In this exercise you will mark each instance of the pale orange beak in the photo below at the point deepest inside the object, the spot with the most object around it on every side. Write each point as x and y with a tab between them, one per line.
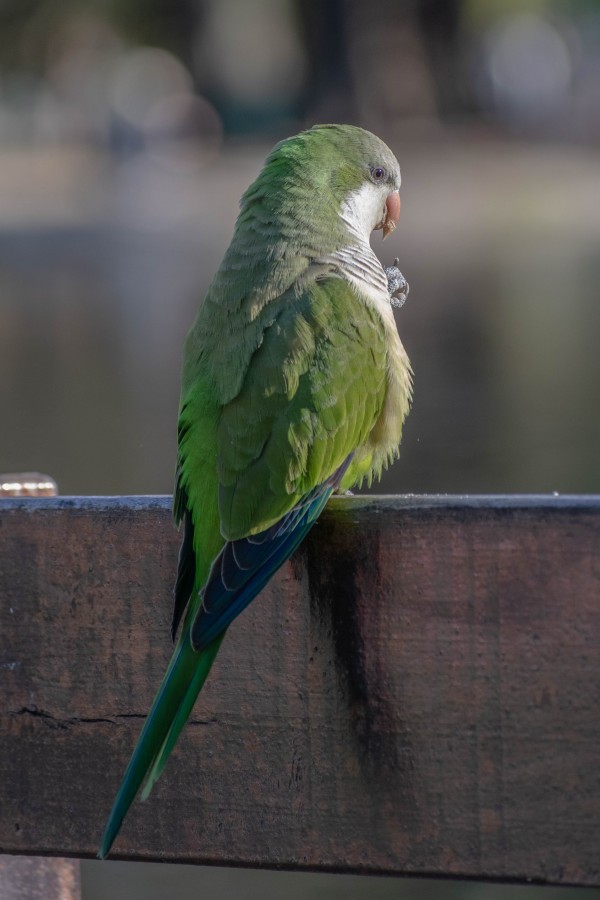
392	214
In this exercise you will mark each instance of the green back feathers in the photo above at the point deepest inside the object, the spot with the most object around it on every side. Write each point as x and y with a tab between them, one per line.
311	397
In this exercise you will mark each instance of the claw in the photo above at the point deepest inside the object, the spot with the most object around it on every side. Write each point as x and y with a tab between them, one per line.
397	285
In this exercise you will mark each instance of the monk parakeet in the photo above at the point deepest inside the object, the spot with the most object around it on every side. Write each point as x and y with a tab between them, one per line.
295	384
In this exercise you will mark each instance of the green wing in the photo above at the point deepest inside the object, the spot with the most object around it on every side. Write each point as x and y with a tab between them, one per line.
313	391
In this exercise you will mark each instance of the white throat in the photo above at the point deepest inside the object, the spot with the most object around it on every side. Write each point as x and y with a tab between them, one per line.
356	262
362	210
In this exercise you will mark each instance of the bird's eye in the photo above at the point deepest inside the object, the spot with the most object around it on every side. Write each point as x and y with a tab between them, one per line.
378	173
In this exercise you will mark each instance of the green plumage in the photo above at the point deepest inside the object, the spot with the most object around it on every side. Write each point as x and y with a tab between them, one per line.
293	371
309	399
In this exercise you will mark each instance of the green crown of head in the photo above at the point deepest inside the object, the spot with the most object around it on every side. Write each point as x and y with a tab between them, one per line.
317	170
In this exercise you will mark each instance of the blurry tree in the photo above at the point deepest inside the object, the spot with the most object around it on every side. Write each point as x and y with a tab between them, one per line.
530	65
170	24
440	24
365	61
328	94
371	61
25	29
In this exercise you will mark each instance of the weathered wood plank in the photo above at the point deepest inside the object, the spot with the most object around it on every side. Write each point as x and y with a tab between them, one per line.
416	692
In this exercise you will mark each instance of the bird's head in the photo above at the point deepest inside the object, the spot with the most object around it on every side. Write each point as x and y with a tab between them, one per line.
333	179
365	177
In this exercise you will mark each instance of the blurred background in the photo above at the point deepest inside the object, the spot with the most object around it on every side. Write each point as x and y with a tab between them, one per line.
128	131
130	128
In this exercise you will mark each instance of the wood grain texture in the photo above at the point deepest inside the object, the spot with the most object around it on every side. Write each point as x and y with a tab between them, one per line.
417	691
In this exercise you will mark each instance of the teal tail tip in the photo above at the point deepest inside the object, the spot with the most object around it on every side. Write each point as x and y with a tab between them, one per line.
172	705
105	844
110	833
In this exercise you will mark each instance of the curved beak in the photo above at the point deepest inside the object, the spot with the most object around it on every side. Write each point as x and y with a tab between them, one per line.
391	214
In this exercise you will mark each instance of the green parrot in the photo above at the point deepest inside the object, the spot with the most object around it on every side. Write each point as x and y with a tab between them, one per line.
295	384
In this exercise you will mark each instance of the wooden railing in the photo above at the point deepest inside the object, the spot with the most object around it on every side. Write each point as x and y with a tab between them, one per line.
416	692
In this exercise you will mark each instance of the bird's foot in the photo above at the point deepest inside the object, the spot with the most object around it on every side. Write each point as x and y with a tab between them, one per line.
397	284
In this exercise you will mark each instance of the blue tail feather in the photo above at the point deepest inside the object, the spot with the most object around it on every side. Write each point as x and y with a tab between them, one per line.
244	566
222	602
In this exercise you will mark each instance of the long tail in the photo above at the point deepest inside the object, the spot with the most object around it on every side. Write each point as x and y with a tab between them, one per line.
237	575
172	705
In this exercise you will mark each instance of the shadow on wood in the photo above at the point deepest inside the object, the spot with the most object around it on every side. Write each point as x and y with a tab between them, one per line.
416	692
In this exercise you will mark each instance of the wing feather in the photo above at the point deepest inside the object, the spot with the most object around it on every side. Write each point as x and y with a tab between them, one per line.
310	398
244	566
